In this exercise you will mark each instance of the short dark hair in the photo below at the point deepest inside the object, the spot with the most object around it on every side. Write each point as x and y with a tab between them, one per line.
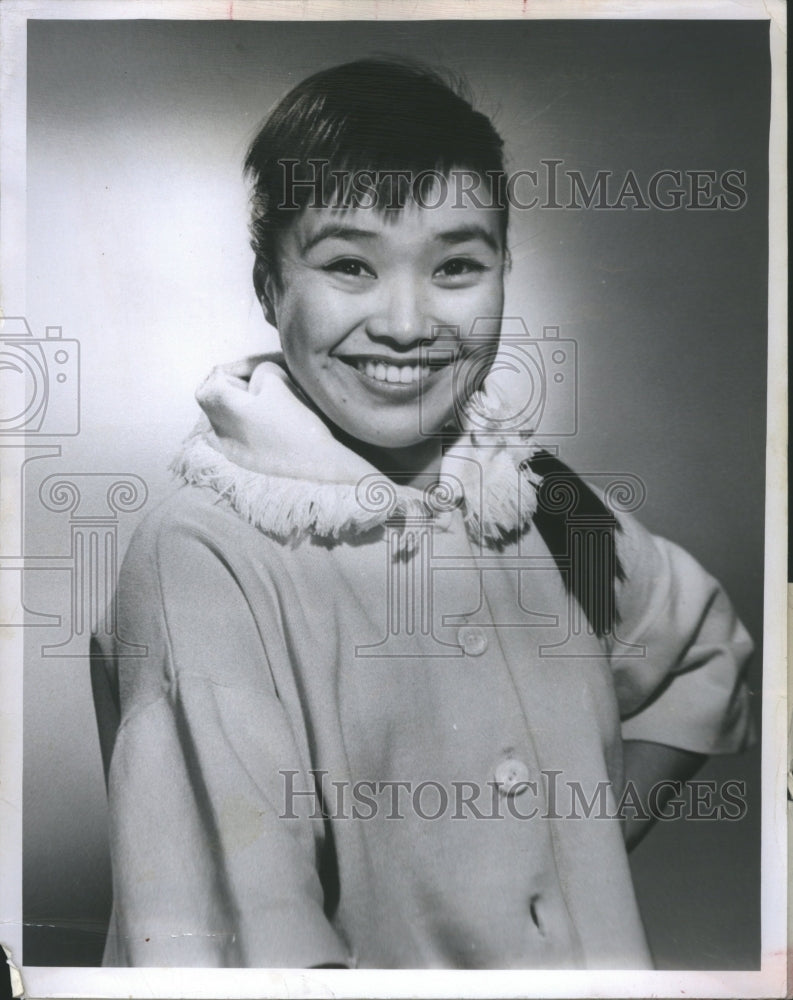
375	115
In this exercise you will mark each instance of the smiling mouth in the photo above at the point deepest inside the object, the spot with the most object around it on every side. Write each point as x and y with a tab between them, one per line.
391	373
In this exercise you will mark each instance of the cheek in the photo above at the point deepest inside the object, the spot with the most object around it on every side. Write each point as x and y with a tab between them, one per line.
484	302
313	320
492	296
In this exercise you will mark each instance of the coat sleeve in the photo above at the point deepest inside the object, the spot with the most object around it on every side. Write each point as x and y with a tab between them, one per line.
679	652
212	864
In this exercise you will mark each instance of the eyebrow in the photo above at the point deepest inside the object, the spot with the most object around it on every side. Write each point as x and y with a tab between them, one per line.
465	233
462	234
334	230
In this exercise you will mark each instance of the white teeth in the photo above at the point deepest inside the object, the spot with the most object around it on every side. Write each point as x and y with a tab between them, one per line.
398	374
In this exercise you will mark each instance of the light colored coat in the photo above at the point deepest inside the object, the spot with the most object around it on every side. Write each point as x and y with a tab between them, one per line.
288	685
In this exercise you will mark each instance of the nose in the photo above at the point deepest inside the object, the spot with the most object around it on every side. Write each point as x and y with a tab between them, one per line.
399	315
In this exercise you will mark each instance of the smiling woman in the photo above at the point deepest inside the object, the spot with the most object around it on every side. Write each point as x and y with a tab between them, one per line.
369	585
360	279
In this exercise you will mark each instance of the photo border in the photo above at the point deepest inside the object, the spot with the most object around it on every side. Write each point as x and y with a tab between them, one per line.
771	979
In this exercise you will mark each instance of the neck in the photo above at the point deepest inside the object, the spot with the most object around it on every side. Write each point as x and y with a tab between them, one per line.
409	466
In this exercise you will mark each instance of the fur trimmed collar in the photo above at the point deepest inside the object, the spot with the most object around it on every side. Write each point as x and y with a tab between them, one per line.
264	449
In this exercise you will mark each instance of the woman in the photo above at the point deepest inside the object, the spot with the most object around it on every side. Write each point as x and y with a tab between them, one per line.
397	711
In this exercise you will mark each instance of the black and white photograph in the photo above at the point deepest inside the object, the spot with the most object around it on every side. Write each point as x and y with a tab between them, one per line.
394	510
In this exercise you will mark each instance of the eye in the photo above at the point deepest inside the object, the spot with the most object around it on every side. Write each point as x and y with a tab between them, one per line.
460	267
350	267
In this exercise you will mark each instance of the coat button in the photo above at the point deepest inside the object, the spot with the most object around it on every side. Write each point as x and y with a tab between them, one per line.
511	776
472	639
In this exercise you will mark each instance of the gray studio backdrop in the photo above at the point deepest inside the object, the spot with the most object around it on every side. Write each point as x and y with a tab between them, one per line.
137	248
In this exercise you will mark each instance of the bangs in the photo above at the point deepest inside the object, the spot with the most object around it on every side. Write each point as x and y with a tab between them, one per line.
365	183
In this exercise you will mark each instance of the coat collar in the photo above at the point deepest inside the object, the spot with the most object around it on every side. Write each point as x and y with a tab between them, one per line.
264	449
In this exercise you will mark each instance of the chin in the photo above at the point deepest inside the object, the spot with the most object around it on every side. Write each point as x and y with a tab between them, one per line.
390	439
390	442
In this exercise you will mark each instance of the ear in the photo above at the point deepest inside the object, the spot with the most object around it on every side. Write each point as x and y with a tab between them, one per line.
268	300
